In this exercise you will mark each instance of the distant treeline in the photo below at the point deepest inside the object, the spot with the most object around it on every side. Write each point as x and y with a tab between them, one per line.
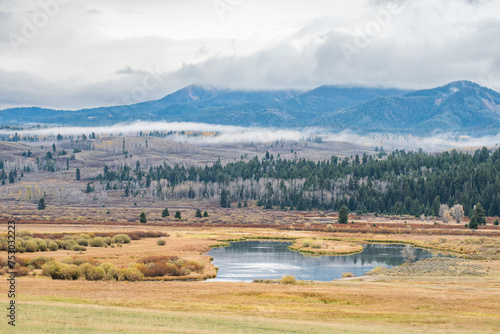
412	183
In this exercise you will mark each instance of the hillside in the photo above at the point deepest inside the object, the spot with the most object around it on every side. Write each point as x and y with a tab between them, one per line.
458	106
461	106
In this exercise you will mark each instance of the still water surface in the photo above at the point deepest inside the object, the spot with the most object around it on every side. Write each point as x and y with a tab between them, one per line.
249	260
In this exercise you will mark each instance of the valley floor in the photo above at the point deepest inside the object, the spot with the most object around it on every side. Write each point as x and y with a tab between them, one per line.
401	302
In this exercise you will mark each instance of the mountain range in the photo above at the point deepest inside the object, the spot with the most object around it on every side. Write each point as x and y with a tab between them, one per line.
460	106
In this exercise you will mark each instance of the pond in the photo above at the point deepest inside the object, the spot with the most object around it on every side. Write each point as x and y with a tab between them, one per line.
249	260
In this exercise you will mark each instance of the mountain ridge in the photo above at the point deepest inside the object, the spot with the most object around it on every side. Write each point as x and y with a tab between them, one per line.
461	106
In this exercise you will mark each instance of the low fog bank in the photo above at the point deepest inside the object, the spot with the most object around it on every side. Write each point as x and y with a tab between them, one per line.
235	134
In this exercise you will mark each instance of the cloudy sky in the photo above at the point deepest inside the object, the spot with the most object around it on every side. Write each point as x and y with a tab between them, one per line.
75	53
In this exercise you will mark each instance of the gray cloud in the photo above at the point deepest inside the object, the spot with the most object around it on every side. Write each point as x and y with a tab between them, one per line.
80	59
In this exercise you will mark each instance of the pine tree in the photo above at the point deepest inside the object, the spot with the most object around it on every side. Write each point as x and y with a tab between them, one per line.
198	213
223	199
479	214
78	174
473	223
343	215
165	213
205	214
178	214
89	188
142	218
435	206
41	204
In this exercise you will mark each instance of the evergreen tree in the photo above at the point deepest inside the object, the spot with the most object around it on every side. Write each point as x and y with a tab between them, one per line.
178	214
473	223
41	204
12	178
223	199
165	213
479	214
343	215
435	206
89	188
142	218
54	147
302	206
198	213
205	214
78	174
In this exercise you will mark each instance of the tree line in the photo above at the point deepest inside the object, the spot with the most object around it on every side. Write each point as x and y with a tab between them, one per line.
412	183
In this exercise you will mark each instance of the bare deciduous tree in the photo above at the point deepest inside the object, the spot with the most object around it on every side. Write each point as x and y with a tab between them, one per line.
443	209
408	253
458	212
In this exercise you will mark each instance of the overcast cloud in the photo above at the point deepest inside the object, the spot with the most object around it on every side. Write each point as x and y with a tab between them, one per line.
75	54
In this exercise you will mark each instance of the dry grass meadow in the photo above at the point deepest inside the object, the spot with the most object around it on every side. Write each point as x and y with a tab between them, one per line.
381	303
370	304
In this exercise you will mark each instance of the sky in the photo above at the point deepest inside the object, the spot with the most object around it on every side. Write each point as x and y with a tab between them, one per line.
73	54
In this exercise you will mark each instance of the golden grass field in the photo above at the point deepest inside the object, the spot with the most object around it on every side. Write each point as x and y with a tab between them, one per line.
371	304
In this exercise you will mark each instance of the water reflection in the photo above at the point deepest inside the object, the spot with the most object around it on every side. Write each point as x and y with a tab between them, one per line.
249	260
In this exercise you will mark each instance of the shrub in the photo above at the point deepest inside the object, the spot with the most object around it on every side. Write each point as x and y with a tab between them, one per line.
329	228
306	244
42	244
108	241
121	239
22	271
79	260
82	241
316	245
20	247
78	248
132	275
157	258
375	270
24	233
156	269
70	271
174	270
69	244
38	261
61	271
496	222
161	242
97	242
30	246
84	236
193	265
92	273
307	226
111	272
53	246
288	280
347	275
